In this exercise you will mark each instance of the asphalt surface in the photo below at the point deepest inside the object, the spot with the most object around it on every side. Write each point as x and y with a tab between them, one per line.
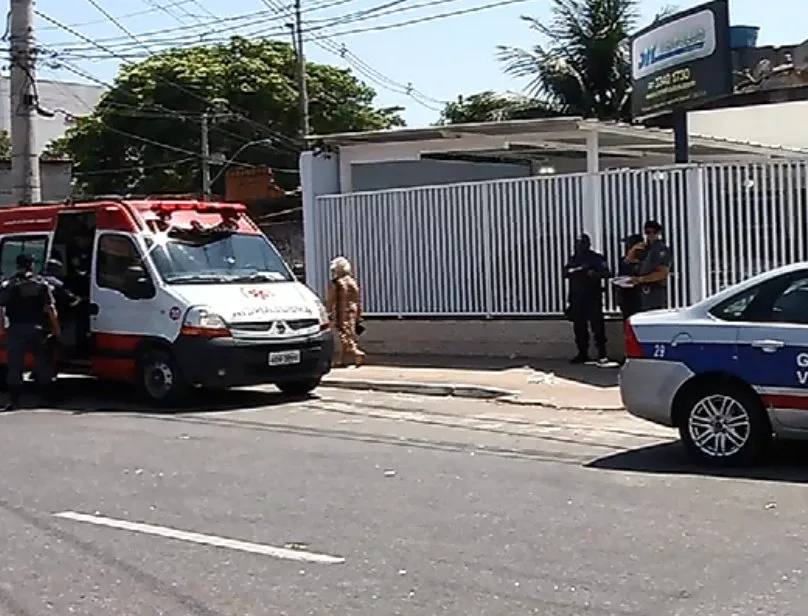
437	506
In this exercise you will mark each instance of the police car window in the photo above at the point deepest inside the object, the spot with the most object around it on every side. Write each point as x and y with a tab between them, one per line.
12	247
792	305
734	308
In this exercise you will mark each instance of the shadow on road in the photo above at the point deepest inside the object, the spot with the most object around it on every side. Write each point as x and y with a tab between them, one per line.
786	461
82	395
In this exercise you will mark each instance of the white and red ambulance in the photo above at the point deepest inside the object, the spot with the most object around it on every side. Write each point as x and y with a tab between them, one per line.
180	294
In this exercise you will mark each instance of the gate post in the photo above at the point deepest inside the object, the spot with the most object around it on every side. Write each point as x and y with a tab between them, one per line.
593	204
696	234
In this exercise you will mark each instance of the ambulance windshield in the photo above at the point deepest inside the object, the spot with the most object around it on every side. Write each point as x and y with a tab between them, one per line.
226	257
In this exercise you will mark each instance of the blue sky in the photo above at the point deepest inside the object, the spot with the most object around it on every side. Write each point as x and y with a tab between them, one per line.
440	58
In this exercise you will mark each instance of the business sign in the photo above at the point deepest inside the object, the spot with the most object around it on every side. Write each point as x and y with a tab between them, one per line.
681	61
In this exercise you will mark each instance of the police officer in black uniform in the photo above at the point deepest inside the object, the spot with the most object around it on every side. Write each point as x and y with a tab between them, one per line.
655	267
31	314
586	270
63	297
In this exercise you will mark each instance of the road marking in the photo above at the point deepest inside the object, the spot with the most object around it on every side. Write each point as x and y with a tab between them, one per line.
219	542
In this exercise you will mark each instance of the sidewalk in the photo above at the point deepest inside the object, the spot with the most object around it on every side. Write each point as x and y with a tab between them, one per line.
540	383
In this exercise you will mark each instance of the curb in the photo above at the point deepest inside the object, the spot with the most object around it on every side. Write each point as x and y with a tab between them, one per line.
476	392
517	401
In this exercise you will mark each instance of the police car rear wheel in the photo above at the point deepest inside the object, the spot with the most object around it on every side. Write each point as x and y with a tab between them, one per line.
160	380
724	426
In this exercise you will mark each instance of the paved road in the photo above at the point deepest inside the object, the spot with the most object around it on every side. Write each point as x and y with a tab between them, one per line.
436	506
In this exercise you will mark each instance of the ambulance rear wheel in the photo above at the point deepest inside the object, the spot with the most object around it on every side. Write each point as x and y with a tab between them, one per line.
159	379
299	388
724	425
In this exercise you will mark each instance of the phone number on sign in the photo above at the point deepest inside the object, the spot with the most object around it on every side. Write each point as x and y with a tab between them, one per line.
680	75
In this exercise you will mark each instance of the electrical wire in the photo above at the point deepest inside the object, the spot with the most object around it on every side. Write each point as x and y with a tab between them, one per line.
279	136
115	22
365	69
120	44
164	165
160	111
205	26
96	22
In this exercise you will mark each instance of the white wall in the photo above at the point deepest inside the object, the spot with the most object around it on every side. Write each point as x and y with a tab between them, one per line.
778	124
319	175
75	99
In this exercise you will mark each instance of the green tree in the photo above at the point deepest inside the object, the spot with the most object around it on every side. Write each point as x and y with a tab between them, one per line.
145	132
584	69
5	144
490	106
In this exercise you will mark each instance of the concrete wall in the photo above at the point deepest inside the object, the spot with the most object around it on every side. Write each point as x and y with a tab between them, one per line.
76	99
409	173
539	339
55	180
779	124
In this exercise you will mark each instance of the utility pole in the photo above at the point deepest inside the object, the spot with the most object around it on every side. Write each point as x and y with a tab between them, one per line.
24	104
303	100
205	159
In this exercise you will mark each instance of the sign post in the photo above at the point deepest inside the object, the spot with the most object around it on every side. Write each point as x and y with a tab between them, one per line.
680	63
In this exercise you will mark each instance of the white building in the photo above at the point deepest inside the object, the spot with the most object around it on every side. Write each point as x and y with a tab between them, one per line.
485	216
63	98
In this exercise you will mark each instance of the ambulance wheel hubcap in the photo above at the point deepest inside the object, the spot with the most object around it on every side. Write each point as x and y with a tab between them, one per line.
159	379
719	426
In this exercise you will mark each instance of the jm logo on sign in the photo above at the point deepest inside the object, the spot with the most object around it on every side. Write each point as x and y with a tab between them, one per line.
684	40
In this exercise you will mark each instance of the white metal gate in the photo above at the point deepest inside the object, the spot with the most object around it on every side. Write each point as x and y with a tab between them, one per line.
497	248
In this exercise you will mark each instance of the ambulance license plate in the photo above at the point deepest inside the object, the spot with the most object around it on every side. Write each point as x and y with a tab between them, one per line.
284	358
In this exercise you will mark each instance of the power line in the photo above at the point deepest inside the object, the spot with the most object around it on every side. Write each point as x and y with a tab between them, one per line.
170	115
114	21
357	63
204	27
368	71
179	87
164	165
122	45
121	17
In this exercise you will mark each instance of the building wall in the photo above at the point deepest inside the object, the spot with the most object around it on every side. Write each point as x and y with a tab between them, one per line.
537	339
411	173
55	178
75	99
777	124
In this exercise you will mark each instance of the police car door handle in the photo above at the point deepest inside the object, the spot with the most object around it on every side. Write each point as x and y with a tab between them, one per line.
768	346
94	310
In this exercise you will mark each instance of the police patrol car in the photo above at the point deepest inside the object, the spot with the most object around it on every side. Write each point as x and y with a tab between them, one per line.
730	372
180	294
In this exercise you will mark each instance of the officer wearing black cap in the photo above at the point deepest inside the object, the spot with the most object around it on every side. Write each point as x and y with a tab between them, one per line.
61	294
586	270
654	269
31	315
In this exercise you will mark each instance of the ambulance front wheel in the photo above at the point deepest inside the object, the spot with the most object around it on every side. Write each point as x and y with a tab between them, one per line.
159	379
299	388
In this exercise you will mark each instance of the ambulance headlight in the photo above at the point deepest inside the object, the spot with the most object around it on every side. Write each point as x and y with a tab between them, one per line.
200	321
325	322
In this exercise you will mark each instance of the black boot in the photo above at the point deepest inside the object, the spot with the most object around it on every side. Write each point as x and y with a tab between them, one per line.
13	400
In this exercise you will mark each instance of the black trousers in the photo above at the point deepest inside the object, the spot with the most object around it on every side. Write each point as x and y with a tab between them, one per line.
588	317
